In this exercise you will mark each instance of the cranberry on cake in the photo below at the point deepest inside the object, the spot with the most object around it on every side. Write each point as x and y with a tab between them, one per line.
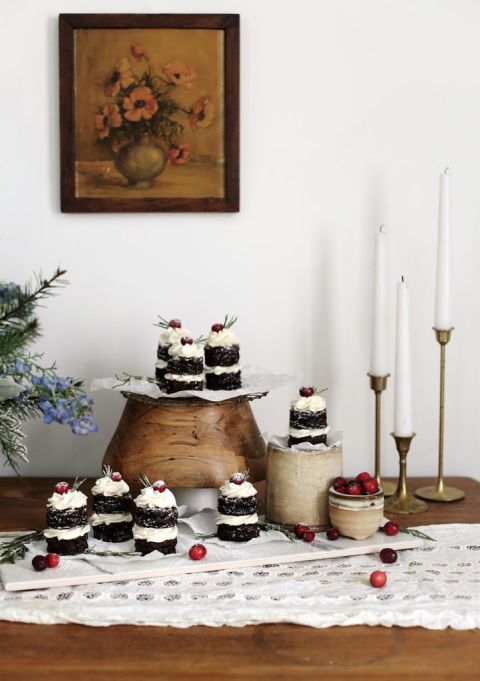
156	518
173	332
111	519
185	366
222	357
67	528
237	518
308	418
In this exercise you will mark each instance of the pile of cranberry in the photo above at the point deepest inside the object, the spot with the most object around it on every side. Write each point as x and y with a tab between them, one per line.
41	563
364	483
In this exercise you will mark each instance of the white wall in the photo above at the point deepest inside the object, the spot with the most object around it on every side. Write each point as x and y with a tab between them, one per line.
350	109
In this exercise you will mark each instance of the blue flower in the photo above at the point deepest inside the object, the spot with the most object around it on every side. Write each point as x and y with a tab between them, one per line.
36	380
50	416
22	368
62	383
48	383
44	405
84	425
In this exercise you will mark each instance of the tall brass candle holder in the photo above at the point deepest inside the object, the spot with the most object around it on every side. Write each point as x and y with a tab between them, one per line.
378	384
402	501
440	492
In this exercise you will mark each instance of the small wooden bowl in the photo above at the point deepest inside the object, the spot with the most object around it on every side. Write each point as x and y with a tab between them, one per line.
358	517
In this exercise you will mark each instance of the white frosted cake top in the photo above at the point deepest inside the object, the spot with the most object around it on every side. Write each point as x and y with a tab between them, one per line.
313	403
225	337
233	491
69	500
151	498
109	487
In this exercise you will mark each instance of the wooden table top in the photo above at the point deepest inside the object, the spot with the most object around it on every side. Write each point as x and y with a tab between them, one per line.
270	651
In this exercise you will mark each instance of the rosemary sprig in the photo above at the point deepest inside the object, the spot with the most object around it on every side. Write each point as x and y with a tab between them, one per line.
144	480
126	378
14	549
266	527
107	471
228	322
416	533
199	535
162	323
77	484
121	554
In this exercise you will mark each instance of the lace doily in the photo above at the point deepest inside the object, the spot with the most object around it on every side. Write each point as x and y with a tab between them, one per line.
436	586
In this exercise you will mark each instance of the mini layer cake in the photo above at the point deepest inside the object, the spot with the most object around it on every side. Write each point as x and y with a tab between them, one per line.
222	357
185	366
308	418
156	518
172	334
111	519
67	528
237	518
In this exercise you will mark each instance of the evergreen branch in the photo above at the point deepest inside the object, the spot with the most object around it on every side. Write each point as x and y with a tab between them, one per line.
11	438
21	305
15	549
15	336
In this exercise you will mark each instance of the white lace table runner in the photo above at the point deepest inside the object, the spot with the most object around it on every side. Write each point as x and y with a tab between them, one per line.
436	586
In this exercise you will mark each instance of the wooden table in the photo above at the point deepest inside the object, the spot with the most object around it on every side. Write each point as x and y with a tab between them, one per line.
271	651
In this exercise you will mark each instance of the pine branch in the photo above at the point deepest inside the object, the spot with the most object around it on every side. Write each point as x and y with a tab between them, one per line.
15	336
12	439
20	307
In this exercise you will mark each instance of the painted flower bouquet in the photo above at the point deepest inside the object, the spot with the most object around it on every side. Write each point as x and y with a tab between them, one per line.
142	122
28	389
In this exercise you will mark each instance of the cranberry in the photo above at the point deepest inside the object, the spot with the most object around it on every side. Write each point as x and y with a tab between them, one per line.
52	559
39	563
363	476
339	482
309	536
237	479
388	556
217	328
186	340
62	487
354	488
341	490
306	391
175	324
300	530
197	552
333	534
370	486
391	528
159	486
378	579
116	477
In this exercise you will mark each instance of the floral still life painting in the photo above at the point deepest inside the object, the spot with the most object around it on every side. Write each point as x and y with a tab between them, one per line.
149	111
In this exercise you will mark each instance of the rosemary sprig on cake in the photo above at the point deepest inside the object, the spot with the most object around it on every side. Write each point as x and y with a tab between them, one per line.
77	483
228	322
165	324
143	478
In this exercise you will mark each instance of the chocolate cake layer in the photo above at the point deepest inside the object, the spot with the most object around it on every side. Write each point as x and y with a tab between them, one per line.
63	520
68	547
245	506
317	440
308	419
160	374
238	532
185	365
222	355
162	352
224	381
114	532
143	546
114	504
177	386
156	517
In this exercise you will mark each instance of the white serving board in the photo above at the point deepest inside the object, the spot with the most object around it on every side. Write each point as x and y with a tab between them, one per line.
74	571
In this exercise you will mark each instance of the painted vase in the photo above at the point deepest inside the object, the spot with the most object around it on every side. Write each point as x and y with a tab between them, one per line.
141	161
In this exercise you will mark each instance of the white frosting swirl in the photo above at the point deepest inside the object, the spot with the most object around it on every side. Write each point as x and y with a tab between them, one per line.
308	432
69	500
225	337
356	502
160	364
232	369
172	335
236	520
155	534
184	378
233	491
152	498
110	518
187	350
109	487
70	533
313	403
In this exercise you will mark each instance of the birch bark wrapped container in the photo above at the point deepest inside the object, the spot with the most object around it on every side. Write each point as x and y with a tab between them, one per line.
297	484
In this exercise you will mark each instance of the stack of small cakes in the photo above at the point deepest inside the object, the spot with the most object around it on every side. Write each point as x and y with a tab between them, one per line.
308	418
237	518
67	528
185	366
173	332
156	516
222	357
111	519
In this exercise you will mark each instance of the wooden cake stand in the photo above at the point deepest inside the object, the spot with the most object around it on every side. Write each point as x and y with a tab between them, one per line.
189	442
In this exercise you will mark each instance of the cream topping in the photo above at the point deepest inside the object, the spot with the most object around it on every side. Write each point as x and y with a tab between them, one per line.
187	350
172	335
161	364
308	432
110	518
226	337
236	520
313	403
152	498
233	491
185	378
155	534
232	369
69	500
110	488
70	533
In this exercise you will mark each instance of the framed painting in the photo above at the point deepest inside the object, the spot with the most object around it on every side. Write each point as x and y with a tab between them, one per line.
149	112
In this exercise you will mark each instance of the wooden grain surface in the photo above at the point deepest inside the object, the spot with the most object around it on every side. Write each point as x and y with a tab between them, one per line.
37	652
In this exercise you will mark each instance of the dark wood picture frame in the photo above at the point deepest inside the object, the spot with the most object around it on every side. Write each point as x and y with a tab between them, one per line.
230	25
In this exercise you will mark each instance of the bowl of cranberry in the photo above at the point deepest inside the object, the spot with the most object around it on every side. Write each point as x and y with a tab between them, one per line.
355	506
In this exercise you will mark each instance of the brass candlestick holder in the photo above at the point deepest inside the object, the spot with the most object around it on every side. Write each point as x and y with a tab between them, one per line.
378	384
402	501
440	492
